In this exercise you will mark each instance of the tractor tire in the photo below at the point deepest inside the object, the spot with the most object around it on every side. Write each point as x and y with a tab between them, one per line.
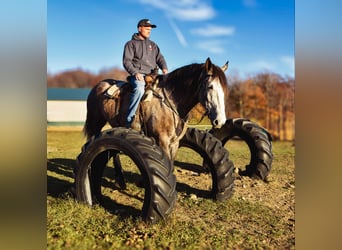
258	140
155	168
216	159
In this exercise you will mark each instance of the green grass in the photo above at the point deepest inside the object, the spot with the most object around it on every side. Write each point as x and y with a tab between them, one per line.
258	216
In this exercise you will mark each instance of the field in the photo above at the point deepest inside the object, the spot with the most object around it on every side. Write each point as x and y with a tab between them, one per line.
259	215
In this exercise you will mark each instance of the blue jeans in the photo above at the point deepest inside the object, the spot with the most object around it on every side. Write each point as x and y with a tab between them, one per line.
137	93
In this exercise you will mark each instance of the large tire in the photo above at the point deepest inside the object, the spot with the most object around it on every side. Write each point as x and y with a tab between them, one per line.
258	140
155	168
216	158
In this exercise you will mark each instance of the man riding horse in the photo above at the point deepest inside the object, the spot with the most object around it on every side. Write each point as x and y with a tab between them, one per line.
140	57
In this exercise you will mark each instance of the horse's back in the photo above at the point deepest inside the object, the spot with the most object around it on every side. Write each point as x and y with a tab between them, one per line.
103	108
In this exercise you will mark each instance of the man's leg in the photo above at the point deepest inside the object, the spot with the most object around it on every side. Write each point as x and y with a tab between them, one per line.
138	92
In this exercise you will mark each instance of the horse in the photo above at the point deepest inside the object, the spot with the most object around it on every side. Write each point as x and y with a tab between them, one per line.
165	114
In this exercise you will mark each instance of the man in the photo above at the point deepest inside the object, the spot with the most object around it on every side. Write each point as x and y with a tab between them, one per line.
140	57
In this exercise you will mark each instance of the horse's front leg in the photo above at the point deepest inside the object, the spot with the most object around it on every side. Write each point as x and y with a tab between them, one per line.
173	150
164	143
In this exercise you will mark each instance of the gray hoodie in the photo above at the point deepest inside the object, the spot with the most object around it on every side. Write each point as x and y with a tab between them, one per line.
142	56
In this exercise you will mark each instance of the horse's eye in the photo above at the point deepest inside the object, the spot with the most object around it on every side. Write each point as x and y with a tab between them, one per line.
210	87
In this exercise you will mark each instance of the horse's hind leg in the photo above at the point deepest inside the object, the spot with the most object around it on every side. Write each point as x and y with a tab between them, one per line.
118	174
93	124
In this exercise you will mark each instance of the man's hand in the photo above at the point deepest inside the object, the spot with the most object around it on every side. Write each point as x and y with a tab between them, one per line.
165	71
139	77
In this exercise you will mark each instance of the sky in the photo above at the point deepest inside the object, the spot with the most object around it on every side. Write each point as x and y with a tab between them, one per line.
253	35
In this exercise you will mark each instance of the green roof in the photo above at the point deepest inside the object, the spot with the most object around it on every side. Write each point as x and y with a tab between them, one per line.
71	94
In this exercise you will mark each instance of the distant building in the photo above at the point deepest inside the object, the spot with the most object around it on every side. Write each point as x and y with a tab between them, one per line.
66	106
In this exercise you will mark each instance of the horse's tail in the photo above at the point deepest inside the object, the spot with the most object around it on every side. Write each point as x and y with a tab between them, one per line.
94	119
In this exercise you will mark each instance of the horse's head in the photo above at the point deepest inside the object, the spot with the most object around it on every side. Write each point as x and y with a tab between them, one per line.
213	86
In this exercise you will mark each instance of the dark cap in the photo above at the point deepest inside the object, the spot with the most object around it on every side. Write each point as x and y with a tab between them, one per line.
146	23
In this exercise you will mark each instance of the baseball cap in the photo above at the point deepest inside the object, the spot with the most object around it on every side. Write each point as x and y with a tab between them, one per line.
146	23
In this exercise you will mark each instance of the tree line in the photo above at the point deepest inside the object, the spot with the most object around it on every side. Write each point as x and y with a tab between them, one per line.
265	98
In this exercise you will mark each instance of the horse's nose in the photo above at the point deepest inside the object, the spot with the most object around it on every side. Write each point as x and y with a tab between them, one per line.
217	124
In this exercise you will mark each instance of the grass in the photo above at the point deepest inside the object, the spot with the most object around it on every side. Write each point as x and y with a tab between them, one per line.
258	216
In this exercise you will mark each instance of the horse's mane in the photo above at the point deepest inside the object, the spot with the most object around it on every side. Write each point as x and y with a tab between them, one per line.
189	74
184	75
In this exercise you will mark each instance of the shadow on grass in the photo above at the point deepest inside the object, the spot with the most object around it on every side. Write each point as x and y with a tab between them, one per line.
60	186
183	187
191	167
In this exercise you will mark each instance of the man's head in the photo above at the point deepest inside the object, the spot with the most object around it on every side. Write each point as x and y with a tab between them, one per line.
144	28
146	23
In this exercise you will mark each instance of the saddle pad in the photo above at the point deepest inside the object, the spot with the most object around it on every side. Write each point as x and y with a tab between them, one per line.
114	89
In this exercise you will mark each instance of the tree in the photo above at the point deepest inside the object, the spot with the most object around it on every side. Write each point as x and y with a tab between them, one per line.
71	79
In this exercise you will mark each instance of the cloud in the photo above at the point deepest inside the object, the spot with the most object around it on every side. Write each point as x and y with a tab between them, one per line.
193	13
261	65
179	34
186	10
213	46
284	64
214	30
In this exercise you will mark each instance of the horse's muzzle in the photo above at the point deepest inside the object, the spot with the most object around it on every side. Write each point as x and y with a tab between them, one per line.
217	123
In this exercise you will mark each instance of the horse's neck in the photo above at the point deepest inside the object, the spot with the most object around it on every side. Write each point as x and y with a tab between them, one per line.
182	99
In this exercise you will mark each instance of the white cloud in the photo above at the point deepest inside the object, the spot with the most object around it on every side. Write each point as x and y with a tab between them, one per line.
284	65
179	34
213	46
195	13
214	30
187	10
261	65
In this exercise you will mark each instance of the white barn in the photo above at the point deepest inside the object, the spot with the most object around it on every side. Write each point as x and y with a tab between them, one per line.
66	105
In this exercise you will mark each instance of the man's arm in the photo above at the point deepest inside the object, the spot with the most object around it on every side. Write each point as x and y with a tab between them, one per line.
127	59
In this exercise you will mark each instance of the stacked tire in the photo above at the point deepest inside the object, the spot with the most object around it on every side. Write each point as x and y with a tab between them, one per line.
155	168
216	159
258	140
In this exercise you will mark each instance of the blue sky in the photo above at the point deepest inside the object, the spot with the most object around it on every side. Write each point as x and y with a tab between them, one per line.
253	35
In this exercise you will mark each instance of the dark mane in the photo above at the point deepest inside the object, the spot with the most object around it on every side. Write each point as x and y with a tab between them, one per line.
183	86
186	76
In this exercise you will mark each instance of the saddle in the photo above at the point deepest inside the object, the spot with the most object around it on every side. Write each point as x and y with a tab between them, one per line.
151	81
114	90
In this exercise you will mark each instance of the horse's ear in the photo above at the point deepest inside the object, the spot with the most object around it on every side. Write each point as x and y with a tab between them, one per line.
208	66
225	67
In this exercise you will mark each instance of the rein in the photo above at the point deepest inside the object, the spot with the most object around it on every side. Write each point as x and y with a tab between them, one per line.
165	99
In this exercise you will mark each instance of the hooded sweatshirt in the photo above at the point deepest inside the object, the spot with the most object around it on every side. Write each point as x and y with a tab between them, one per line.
142	56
